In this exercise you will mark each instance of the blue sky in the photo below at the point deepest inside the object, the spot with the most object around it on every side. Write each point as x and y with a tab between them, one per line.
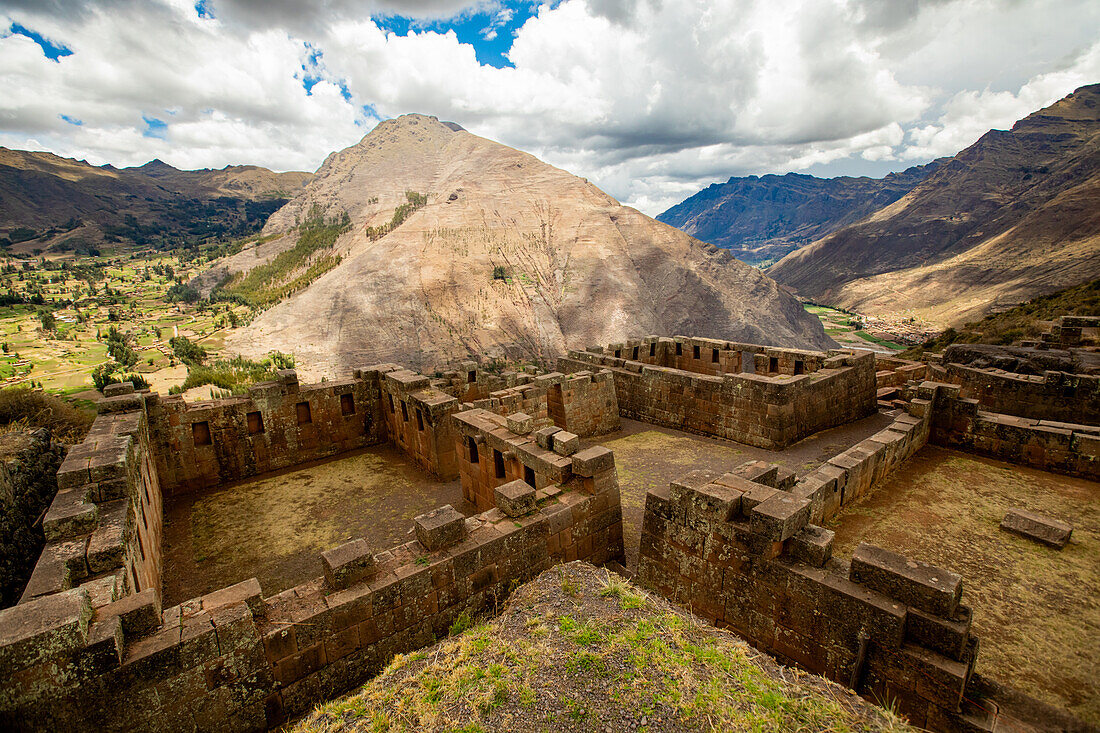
649	100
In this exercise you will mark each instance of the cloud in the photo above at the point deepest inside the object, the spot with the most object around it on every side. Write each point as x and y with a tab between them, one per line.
651	100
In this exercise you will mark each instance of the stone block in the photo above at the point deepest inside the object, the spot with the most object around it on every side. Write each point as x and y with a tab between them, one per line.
544	438
780	516
139	613
812	545
348	564
1048	531
948	636
43	628
566	443
520	423
440	528
516	498
928	588
759	493
121	388
591	461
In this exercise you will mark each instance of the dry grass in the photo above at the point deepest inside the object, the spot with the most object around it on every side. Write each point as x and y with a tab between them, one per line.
580	649
22	408
1035	608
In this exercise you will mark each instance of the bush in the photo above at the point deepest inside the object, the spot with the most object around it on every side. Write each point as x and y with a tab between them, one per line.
499	273
187	350
24	407
112	373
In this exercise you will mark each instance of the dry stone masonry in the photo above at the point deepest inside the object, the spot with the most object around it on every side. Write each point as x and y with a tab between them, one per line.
89	647
757	395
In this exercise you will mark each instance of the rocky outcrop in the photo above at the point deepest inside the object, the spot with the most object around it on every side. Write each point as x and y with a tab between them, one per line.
28	483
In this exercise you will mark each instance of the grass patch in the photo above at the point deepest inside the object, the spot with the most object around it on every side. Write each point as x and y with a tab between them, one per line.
22	408
292	270
600	668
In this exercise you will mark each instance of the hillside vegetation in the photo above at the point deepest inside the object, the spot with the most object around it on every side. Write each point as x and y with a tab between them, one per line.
1026	321
582	649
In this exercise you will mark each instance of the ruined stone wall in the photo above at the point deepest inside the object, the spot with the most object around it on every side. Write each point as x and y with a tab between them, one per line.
469	382
279	424
1048	445
769	411
104	527
1060	396
713	357
234	661
745	555
892	372
417	417
849	475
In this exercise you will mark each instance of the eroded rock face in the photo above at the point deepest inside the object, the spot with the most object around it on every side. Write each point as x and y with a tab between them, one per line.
580	268
1023	360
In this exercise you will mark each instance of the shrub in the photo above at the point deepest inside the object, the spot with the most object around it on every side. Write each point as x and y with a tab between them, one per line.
187	350
499	273
24	407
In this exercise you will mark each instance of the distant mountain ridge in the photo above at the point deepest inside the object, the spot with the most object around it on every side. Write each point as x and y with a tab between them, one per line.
1014	216
760	219
66	203
506	257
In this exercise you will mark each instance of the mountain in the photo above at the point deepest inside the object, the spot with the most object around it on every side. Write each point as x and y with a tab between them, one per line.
49	202
508	257
759	219
1012	217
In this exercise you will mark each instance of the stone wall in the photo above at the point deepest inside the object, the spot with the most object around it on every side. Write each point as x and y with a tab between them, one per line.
417	417
279	424
713	357
849	475
744	554
1048	445
104	528
1060	396
766	410
234	661
28	483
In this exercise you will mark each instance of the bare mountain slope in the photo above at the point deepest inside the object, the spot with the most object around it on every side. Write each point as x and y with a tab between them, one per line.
1011	217
581	268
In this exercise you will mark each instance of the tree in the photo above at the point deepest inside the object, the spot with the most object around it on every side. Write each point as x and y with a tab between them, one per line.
187	350
49	322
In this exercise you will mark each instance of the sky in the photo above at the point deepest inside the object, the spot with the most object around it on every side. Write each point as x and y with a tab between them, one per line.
651	100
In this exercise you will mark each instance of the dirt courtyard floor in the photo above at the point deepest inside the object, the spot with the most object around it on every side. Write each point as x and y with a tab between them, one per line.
274	527
649	457
1036	610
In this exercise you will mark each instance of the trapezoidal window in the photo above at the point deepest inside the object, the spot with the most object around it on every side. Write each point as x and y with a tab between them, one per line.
679	349
419	419
471	377
635	354
498	463
304	415
773	364
471	445
800	367
200	433
653	349
389	399
255	423
694	352
529	476
714	355
404	412
618	354
347	404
